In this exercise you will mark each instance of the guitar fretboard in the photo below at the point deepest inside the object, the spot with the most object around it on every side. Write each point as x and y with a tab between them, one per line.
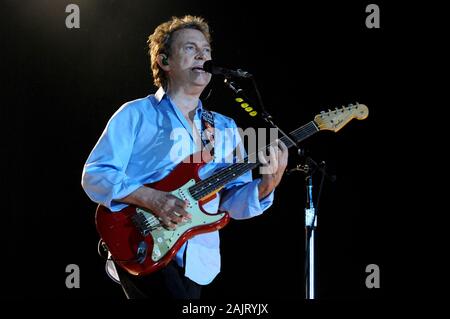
227	174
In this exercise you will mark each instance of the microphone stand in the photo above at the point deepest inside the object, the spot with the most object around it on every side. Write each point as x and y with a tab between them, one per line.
311	210
310	233
264	114
309	169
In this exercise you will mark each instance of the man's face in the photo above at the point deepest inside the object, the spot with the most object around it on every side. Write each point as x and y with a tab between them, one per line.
189	51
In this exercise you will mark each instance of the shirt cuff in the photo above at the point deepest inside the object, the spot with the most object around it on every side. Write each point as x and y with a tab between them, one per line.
243	202
267	201
126	188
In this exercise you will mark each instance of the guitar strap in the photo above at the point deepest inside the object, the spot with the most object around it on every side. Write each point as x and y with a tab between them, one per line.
207	133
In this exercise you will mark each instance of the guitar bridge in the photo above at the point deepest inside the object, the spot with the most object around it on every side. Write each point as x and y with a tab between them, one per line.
145	222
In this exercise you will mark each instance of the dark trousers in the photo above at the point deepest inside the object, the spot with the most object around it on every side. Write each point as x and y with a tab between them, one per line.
167	283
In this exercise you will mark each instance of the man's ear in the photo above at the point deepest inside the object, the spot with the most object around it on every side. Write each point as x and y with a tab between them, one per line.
163	62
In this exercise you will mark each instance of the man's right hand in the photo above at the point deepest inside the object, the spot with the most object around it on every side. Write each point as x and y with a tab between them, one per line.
167	207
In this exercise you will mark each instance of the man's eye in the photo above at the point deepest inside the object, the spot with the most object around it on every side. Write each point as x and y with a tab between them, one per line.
190	48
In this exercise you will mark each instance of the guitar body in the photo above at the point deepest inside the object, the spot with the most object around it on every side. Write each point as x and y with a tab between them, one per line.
140	249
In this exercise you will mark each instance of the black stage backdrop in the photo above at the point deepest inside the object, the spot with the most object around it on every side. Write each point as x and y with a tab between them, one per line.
62	85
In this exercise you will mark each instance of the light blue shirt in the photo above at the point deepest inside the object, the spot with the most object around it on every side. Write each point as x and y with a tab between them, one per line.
142	143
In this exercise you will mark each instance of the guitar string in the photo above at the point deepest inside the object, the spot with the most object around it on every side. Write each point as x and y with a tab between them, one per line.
239	168
218	178
299	134
307	130
227	172
233	170
304	128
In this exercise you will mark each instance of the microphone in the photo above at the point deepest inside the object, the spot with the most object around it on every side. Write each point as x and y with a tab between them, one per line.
209	67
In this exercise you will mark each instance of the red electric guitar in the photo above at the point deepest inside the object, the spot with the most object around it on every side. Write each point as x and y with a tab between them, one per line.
141	245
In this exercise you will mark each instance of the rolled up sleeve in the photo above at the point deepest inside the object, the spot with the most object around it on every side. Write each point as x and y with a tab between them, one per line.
242	202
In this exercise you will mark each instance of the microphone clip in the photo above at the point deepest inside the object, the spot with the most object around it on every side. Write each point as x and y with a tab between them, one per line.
210	67
304	168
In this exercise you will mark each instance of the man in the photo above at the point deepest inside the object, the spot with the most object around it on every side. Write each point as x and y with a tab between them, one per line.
137	148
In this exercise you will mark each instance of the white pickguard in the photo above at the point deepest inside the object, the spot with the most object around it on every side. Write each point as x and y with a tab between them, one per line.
164	239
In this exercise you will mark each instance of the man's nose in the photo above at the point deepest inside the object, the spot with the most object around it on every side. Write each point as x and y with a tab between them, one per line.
201	55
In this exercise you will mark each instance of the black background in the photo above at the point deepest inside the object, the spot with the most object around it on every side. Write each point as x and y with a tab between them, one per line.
62	85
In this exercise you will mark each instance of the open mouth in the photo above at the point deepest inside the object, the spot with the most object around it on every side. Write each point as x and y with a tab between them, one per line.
198	69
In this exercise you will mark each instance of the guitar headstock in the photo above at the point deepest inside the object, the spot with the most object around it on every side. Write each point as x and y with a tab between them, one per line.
334	120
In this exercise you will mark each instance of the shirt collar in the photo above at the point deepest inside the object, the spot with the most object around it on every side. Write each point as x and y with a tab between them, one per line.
161	94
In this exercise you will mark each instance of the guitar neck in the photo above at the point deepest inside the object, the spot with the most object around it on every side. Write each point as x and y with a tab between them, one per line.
213	183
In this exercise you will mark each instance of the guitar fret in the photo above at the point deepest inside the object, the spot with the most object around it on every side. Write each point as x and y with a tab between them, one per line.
221	178
226	178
